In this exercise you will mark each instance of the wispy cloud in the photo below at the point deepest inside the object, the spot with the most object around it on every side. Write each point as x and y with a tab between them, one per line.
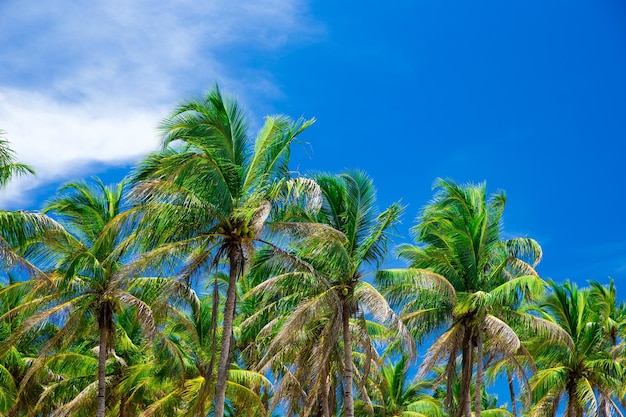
88	81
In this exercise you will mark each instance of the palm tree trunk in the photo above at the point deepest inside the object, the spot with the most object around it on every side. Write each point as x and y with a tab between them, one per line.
509	379
208	379
104	325
348	400
479	371
572	409
465	404
234	258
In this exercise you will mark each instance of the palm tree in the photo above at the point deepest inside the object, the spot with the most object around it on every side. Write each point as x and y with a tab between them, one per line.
85	269
19	352
488	402
465	277
395	396
17	227
611	317
209	189
9	167
172	379
132	348
610	314
513	368
326	291
160	357
578	367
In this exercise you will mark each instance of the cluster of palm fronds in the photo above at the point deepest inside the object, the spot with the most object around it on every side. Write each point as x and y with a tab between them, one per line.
215	282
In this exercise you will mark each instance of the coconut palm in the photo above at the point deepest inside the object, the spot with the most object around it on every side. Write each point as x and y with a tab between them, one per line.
466	279
580	368
19	352
512	369
17	227
488	402
326	293
209	189
611	316
86	280
70	387
12	364
132	348
172	378
394	396
9	166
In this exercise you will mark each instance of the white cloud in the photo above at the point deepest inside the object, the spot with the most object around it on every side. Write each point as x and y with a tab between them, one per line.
85	81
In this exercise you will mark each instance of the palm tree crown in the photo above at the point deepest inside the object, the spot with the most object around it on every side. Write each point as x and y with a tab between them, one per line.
209	193
325	288
84	263
466	276
578	367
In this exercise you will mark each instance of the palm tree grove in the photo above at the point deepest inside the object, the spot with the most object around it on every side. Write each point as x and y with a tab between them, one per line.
215	281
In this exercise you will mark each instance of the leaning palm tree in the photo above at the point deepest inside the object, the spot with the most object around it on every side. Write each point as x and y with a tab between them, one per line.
581	368
464	278
85	280
208	191
326	292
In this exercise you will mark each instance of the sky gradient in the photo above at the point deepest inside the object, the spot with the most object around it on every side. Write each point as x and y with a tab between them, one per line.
528	96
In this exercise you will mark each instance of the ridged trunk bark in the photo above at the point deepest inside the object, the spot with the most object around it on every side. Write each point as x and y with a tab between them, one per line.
234	257
465	403
572	406
348	400
104	325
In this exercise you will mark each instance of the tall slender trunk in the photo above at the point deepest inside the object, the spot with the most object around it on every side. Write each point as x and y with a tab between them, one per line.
479	370
509	379
209	370
572	407
348	400
465	404
234	257
104	325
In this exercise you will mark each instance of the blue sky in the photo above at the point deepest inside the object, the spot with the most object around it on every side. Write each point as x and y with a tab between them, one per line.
529	96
